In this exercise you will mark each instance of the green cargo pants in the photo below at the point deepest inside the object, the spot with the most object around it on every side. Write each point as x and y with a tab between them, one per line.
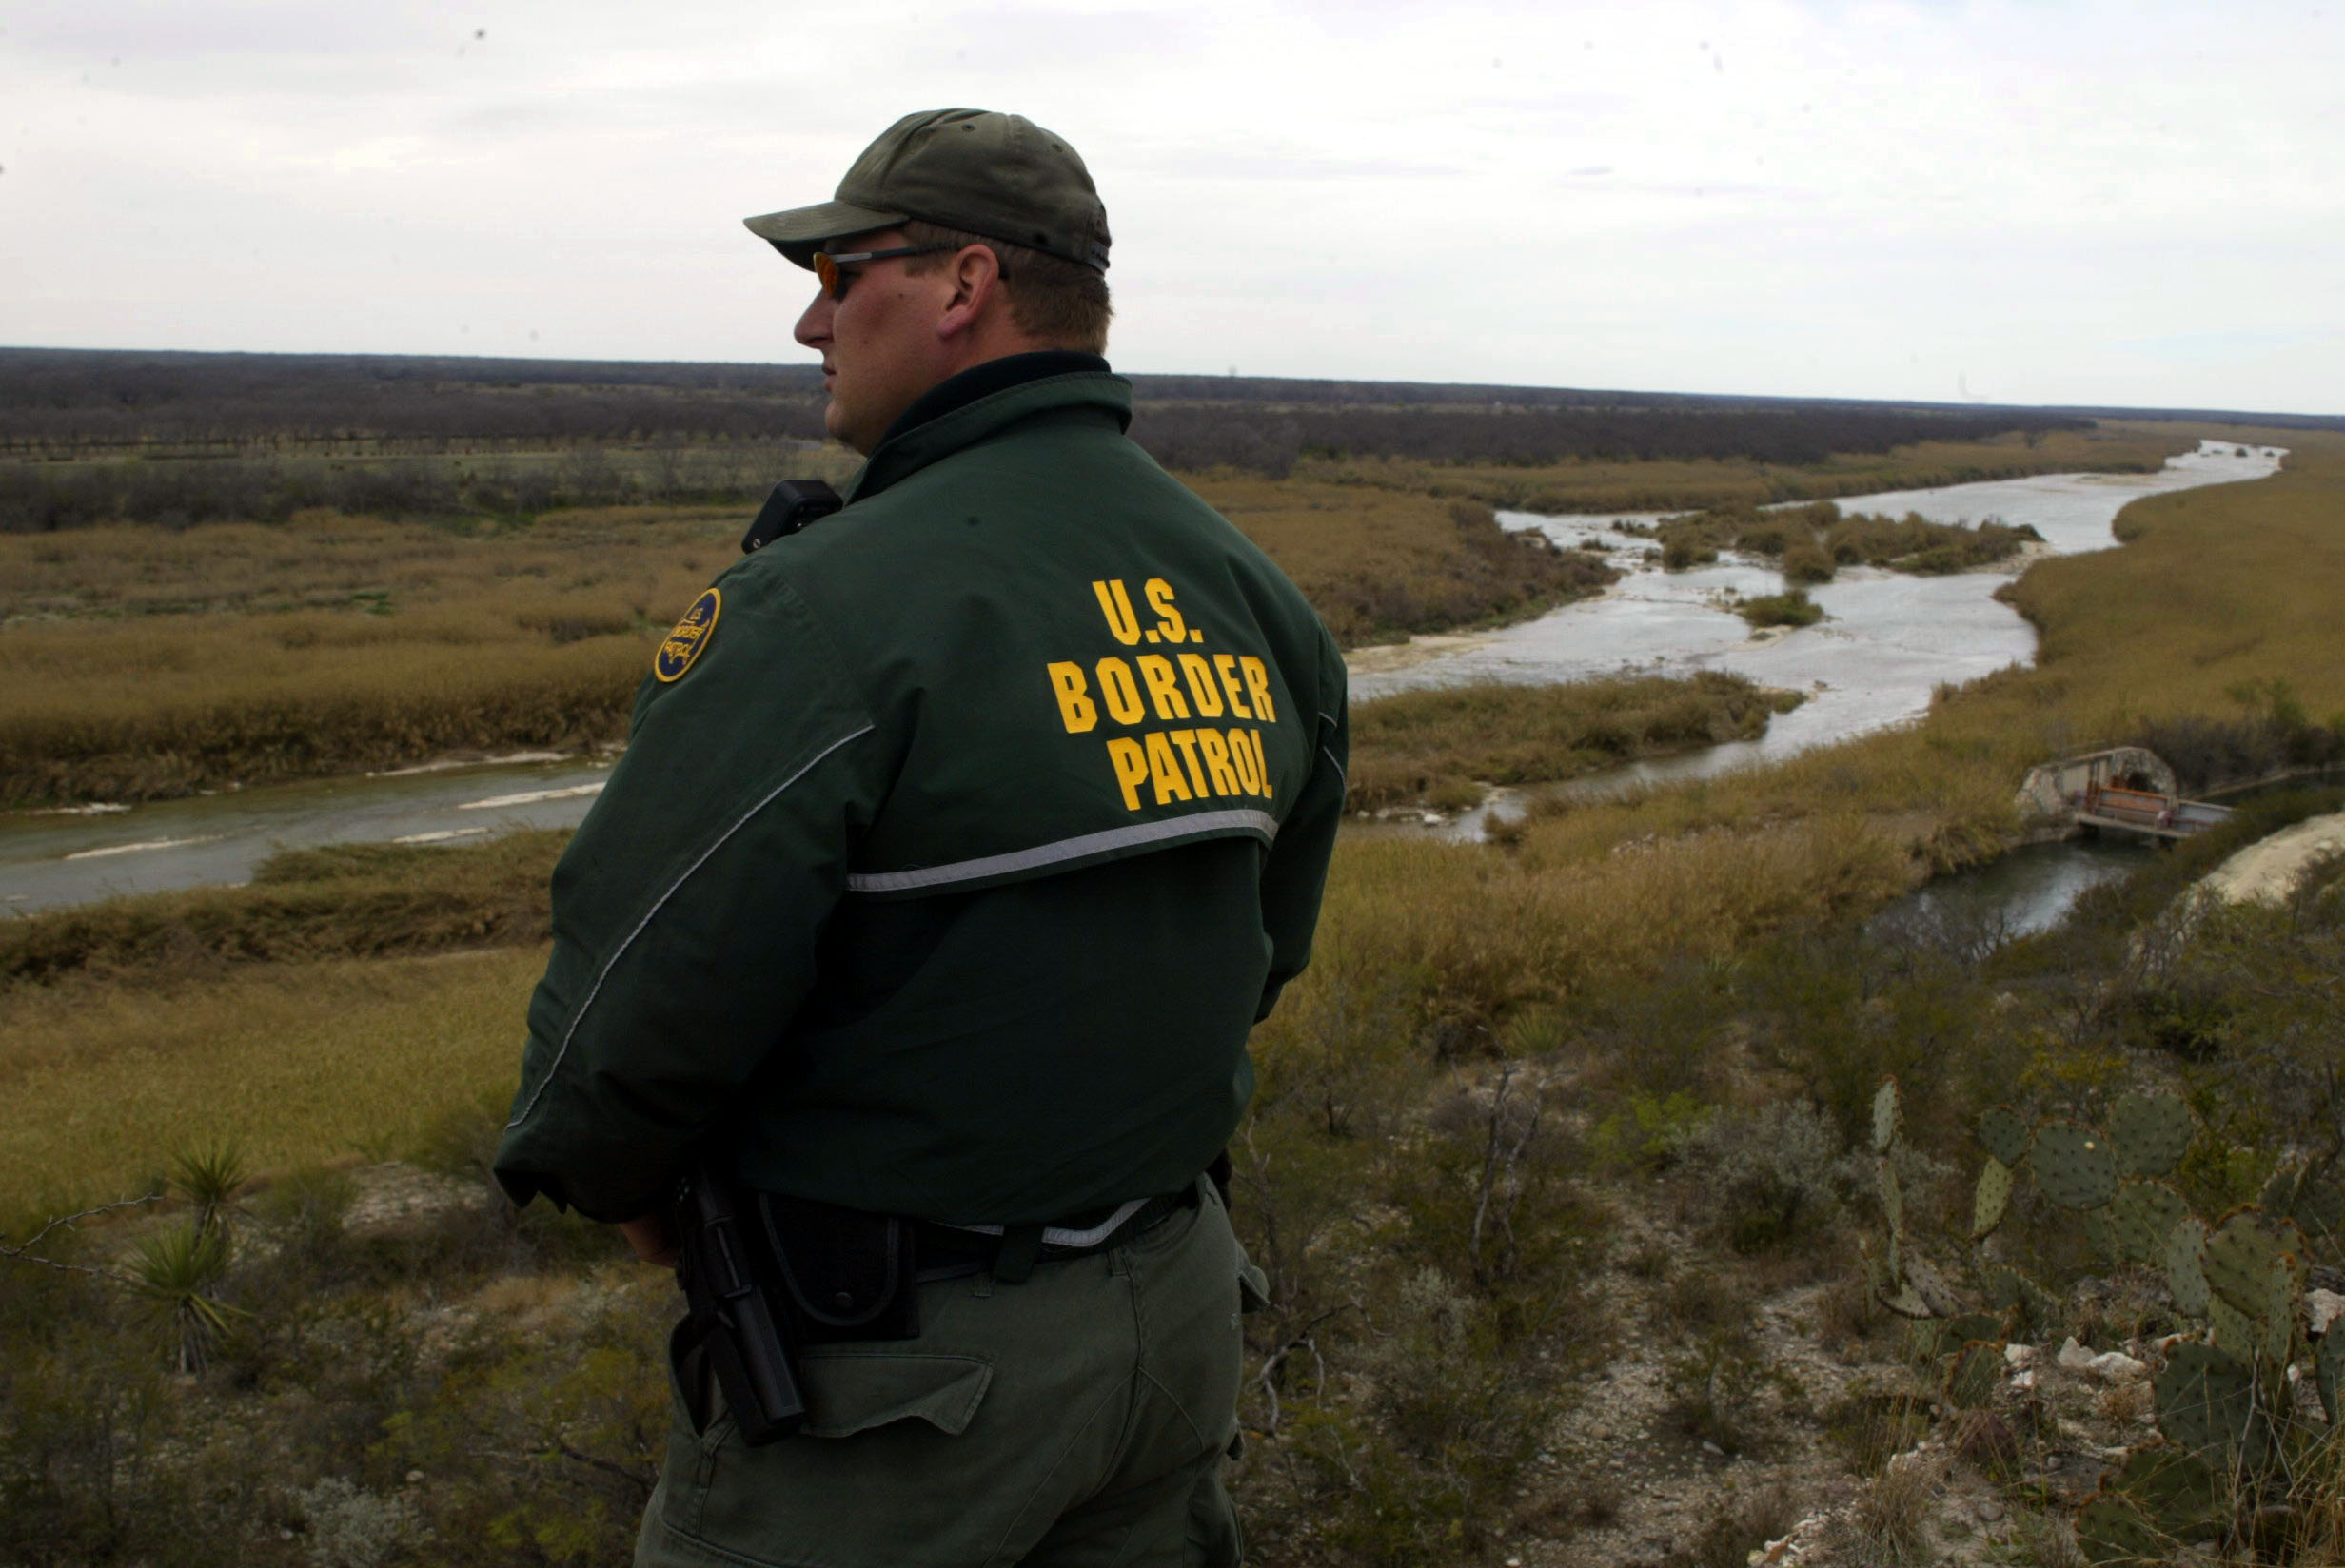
1075	1419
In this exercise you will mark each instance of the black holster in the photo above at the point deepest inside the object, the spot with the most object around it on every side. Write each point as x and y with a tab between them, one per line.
764	1274
730	1343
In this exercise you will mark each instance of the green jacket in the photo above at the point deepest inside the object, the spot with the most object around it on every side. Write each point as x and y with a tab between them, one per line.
960	840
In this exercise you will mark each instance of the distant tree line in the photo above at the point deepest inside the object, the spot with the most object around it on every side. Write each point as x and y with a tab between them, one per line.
53	401
37	498
246	435
1195	436
65	399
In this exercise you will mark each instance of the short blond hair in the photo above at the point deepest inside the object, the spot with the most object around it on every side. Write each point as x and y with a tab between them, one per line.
1065	304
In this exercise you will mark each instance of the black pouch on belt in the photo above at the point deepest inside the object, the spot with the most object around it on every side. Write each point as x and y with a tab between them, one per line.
846	1274
729	1341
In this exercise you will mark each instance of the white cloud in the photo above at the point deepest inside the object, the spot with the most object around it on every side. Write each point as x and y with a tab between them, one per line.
2079	201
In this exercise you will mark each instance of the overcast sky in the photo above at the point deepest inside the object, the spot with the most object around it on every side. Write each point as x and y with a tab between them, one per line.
2137	203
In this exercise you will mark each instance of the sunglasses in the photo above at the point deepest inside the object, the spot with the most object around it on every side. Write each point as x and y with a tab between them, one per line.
834	282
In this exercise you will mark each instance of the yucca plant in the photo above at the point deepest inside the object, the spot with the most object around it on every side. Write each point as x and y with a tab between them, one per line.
177	1273
209	1175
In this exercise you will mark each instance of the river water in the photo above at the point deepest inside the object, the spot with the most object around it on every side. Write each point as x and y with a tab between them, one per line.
1887	641
69	857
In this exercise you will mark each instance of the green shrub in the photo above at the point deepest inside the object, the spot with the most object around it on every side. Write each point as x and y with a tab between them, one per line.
1791	608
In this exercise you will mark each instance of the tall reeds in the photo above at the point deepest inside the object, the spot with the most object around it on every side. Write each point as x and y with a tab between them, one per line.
1435	745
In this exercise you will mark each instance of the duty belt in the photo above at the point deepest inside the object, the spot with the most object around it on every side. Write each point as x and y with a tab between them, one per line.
1010	1252
765	1273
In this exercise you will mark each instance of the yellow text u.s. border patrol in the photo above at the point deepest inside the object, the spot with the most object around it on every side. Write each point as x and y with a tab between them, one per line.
1198	760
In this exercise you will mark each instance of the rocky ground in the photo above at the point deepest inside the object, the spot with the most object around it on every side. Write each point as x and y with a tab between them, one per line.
1820	1443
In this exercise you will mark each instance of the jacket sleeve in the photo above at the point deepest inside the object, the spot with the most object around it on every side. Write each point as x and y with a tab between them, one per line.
687	907
1296	875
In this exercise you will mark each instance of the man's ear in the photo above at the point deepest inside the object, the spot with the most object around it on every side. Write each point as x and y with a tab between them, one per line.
976	273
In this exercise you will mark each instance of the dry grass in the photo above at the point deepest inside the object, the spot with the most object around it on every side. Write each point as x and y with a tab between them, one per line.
1482	933
1594	486
299	1062
637	560
143	664
1888	1524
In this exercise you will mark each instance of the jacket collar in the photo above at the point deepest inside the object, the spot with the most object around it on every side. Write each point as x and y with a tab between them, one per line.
984	399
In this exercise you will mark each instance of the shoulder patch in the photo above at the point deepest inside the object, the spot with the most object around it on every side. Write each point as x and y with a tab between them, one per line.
681	646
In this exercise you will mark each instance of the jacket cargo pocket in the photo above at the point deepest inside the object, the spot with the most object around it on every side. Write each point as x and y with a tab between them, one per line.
851	1391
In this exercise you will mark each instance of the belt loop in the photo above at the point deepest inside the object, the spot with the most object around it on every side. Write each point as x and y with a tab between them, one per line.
1020	1245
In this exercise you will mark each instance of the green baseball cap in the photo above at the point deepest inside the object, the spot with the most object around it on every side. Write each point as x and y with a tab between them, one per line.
998	175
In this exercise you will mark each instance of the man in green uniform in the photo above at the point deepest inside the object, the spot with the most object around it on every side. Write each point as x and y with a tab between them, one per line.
960	840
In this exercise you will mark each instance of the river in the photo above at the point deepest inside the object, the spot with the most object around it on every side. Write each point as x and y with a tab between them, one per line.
1887	641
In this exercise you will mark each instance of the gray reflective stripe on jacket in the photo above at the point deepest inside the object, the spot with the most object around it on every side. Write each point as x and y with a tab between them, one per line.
1066	852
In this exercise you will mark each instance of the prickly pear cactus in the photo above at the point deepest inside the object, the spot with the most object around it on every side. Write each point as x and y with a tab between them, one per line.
2099	1234
1888	1116
2030	1308
2143	1215
2206	1404
1976	1374
1991	1199
1892	1194
2328	1372
2232	1331
2276	1324
1907	1303
2151	1131
2240	1259
2315	1202
2111	1529
2224	1402
2005	1134
2074	1164
2174	1488
2186	1247
1942	1298
2281	1188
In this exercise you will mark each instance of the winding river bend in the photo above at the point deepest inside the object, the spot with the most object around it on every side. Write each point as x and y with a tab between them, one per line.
1887	641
